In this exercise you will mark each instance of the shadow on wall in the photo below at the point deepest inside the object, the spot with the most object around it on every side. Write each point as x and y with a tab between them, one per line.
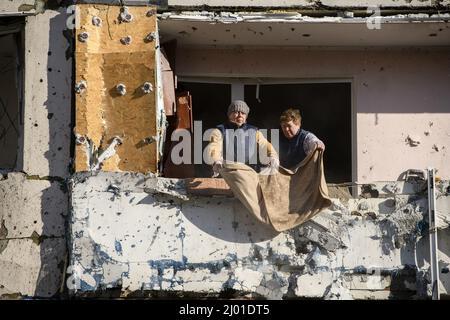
55	199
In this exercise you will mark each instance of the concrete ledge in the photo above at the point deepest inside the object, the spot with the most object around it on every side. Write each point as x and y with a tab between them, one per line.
208	187
138	239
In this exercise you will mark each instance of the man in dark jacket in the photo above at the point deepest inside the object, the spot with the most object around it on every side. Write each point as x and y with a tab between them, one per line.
295	143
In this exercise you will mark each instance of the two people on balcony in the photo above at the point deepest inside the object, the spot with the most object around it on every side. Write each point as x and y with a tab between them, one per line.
236	140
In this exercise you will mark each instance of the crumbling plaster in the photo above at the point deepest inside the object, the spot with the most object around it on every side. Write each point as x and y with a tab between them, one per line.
308	3
32	235
34	202
19	7
48	90
286	3
141	233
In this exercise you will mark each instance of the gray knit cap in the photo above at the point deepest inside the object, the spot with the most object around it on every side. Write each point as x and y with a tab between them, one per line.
238	105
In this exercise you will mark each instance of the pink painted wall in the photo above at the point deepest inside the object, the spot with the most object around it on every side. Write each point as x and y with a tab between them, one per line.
396	93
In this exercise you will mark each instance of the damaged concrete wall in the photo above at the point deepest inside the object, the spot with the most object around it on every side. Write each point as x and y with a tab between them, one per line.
32	236
48	92
308	3
396	93
34	204
20	7
10	128
140	233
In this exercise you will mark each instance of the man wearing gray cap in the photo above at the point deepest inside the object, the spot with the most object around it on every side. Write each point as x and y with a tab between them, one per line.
238	141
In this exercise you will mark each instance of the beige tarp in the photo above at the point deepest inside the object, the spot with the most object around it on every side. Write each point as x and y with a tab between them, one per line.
284	199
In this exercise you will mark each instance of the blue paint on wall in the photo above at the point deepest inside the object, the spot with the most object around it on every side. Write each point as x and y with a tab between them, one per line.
118	247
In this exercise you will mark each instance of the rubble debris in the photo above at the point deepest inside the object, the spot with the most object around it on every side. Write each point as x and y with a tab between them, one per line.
372	215
369	191
172	187
390	203
338	192
311	232
391	188
114	189
363	206
435	148
442	220
401	227
338	207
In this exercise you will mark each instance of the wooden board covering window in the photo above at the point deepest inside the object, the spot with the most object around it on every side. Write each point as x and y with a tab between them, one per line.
183	121
103	62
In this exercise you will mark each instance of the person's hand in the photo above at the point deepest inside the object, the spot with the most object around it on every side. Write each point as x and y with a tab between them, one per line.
217	166
274	163
320	146
272	168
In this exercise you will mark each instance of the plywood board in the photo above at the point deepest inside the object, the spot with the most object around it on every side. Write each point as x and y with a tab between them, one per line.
169	92
103	61
184	111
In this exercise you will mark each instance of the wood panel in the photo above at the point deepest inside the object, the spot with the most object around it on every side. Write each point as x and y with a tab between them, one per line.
103	61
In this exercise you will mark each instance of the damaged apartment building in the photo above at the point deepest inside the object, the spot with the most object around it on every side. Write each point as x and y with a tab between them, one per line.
91	204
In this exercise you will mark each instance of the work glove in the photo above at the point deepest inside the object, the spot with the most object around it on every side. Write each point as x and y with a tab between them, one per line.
217	166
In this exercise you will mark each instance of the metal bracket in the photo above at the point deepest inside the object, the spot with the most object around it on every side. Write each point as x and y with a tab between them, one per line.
434	259
121	89
414	175
108	153
150	139
147	87
83	37
125	15
150	37
126	40
79	139
96	21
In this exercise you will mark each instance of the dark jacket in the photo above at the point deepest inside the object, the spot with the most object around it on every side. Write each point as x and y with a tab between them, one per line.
291	150
248	144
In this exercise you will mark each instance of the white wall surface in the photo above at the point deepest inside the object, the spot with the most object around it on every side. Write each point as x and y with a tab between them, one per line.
48	87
